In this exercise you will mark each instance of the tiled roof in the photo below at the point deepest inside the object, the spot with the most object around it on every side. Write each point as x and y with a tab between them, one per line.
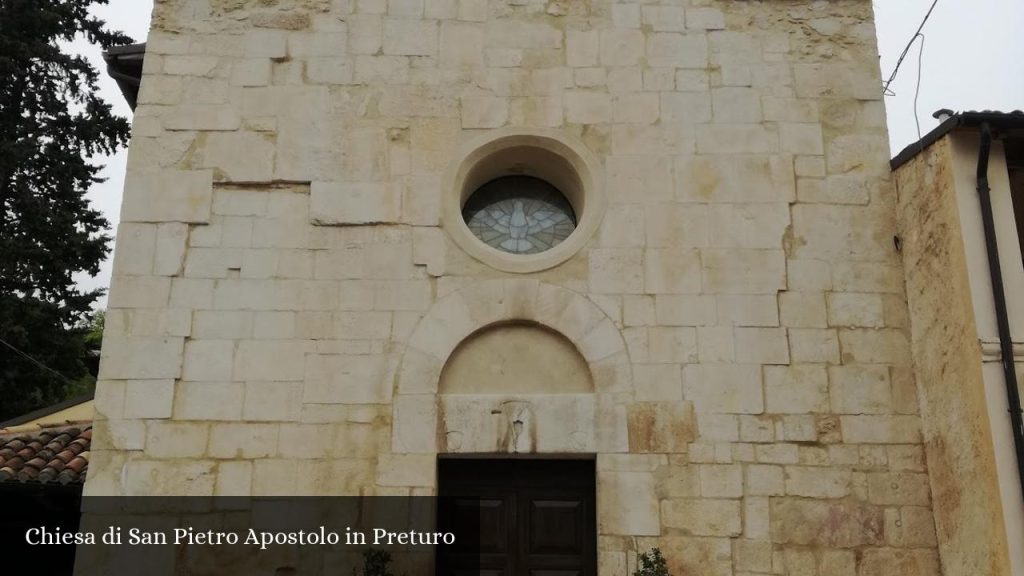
950	121
58	455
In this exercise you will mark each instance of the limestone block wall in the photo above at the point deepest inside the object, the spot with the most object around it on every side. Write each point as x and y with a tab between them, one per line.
285	296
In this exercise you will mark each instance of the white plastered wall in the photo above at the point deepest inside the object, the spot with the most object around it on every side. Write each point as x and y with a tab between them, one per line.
965	148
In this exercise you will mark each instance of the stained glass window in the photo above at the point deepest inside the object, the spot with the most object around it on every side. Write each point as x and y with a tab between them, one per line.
519	214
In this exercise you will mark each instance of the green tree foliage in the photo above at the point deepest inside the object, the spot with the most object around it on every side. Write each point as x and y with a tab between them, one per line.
51	122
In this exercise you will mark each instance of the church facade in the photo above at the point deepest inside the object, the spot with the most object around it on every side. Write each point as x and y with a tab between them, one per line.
385	246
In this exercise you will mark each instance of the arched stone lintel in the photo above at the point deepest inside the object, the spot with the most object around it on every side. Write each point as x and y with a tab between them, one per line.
474	307
467	310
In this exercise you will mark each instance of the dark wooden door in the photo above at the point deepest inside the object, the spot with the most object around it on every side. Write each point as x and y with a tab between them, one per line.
516	517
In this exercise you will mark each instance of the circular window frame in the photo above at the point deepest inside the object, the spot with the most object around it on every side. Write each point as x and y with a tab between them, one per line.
549	155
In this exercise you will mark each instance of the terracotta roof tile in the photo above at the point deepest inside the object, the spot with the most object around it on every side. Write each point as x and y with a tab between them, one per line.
59	454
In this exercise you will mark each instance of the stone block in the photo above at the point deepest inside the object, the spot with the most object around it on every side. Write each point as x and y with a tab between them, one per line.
834	80
658	382
407	470
637	108
764	480
621	47
753	555
581	48
401	295
209	400
171	244
273	477
135	249
847	309
716	344
673	225
664	18
743	271
672	271
802	309
724	388
243	440
407	37
876	429
306	441
813	345
703	517
721	480
630	506
899	488
140	358
623	227
677	50
660	427
686	107
762	345
585	107
747	310
269	360
238	156
896	562
616	271
707	556
462	45
818	482
209	360
885	346
272	401
415	424
346	203
167	196
860	389
251	72
796	389
684	310
701	18
347	379
484	111
148	399
736	104
910	527
727	139
149	477
805	522
801	138
165	439
830	232
233	479
511	33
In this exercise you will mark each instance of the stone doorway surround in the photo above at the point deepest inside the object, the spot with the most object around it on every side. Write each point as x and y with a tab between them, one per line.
625	436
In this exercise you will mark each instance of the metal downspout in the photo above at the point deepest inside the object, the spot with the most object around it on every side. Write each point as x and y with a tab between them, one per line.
998	294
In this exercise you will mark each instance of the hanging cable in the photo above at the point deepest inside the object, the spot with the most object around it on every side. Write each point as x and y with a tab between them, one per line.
885	87
36	362
917	89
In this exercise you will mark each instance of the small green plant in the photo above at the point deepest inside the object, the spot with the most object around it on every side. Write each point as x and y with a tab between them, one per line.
652	564
375	563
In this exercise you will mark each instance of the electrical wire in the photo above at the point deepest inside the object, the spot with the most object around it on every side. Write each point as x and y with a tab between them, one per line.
885	87
917	89
36	362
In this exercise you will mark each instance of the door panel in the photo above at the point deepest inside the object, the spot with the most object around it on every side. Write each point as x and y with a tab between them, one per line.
533	517
555	526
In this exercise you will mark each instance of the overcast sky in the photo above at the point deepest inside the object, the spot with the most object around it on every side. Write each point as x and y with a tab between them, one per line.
973	50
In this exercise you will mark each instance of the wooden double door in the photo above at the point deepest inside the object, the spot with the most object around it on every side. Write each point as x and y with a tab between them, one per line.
517	517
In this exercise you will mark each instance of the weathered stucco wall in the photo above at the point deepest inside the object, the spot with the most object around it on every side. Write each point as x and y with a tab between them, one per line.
948	361
285	297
